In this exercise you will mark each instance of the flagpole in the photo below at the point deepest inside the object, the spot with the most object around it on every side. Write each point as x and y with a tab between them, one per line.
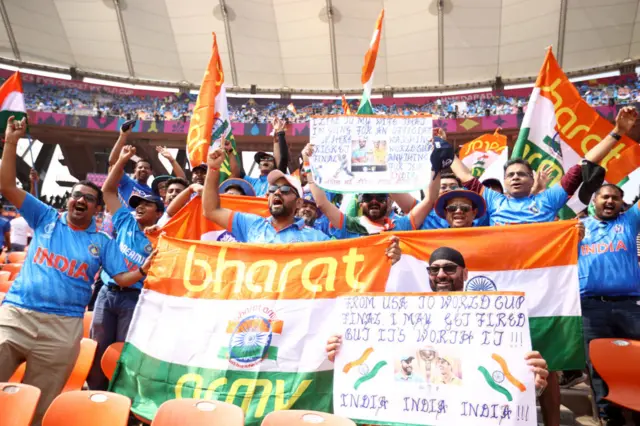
33	164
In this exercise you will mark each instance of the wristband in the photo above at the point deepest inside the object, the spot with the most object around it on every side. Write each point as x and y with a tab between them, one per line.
141	271
616	136
215	169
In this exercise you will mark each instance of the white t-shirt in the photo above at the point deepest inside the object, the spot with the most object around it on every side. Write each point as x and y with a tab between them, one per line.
20	231
163	219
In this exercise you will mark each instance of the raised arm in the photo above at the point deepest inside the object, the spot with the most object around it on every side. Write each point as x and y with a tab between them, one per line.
405	201
125	129
420	212
15	130
234	165
625	120
280	148
183	198
461	171
177	169
331	211
110	185
210	196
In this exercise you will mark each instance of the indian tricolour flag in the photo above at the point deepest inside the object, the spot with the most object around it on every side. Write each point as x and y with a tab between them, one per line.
210	124
246	324
538	259
365	106
559	127
12	98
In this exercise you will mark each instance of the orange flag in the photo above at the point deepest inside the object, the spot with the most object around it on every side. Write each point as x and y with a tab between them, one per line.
483	151
199	136
190	224
346	109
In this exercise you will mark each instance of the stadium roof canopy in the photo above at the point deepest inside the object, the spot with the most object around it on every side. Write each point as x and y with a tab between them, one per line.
296	44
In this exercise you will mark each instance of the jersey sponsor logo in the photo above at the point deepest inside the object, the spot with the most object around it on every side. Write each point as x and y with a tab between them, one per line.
73	268
600	248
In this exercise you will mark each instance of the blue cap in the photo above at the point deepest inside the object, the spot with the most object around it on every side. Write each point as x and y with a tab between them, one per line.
157	181
476	199
135	200
307	197
246	187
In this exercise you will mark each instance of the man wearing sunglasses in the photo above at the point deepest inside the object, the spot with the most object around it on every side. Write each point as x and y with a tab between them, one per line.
115	305
376	207
284	195
460	208
41	318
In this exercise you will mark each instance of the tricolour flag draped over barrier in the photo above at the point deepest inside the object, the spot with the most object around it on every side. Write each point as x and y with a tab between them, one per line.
479	154
559	128
247	324
210	121
365	106
190	224
12	100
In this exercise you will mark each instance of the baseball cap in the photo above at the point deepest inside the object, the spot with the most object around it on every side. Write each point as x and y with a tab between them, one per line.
308	198
246	187
407	359
135	200
260	155
202	166
157	181
476	199
274	175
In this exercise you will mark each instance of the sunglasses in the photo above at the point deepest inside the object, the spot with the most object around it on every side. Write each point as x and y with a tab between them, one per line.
89	198
448	269
367	198
464	208
284	189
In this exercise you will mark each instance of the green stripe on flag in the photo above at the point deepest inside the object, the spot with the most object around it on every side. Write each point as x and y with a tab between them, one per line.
272	353
559	340
149	382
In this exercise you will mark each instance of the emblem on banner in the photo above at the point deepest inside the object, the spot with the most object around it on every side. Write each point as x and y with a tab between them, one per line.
480	283
251	337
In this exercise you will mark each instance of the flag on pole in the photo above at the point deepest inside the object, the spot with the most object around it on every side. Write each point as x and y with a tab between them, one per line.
12	99
367	69
346	109
291	107
210	121
559	128
479	154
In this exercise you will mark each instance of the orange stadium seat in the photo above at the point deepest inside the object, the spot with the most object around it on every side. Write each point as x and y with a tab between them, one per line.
5	276
83	365
622	376
110	359
14	268
80	369
17	257
17	404
5	286
304	418
86	324
81	408
198	412
3	257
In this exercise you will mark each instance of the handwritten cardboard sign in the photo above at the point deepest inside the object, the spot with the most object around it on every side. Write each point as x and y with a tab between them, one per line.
435	359
371	154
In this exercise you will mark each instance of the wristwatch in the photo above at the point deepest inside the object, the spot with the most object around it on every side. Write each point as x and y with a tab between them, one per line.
615	135
141	271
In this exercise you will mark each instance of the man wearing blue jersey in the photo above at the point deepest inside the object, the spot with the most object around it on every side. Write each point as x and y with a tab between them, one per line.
115	305
284	200
41	316
138	184
610	283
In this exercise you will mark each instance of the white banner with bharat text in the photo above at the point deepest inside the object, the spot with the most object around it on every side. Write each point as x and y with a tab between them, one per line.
435	359
369	154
